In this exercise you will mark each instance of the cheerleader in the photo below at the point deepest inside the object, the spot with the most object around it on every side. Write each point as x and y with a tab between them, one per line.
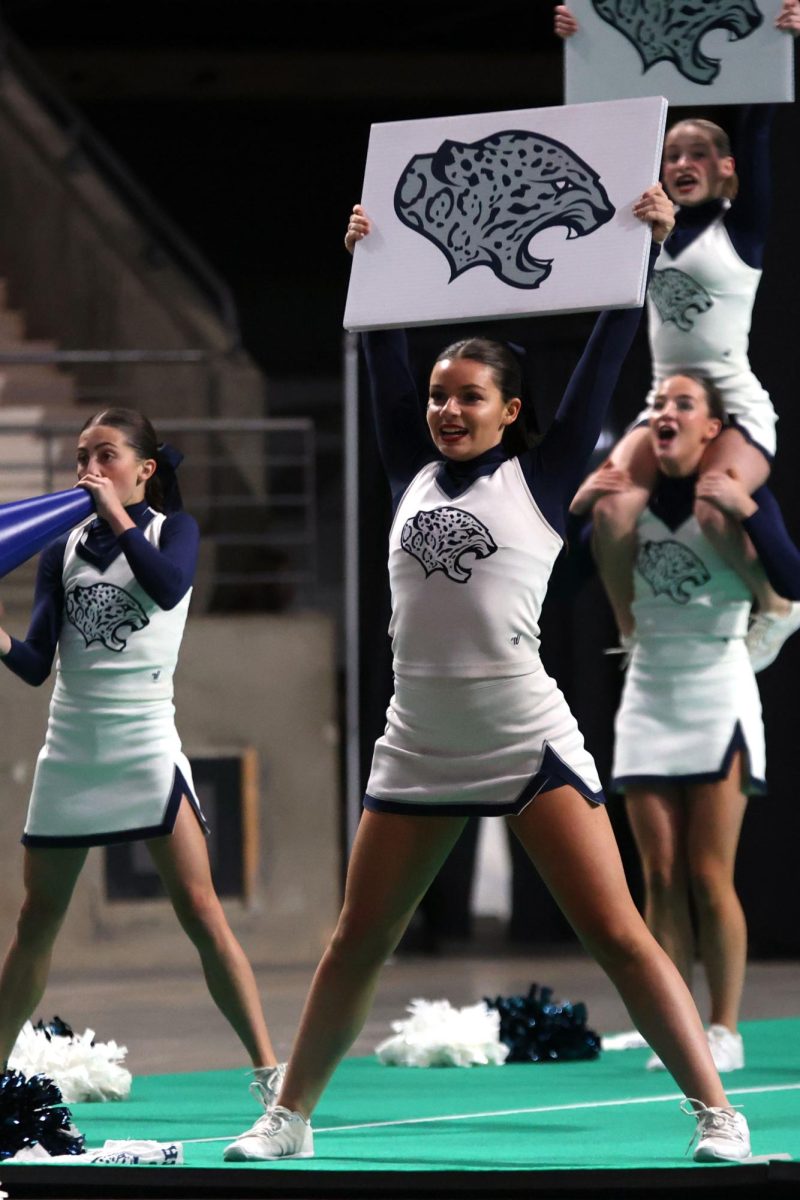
112	598
475	725
689	746
700	303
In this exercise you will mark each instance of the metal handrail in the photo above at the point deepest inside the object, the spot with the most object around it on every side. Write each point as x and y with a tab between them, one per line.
86	140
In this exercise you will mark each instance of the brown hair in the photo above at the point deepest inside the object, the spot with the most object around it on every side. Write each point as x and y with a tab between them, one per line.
507	374
141	437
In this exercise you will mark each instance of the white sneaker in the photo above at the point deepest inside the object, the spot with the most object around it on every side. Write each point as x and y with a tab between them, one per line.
280	1133
727	1048
722	1134
266	1084
631	1040
767	633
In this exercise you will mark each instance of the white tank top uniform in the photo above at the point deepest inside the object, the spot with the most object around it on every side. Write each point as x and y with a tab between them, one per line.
690	698
700	305
475	722
112	768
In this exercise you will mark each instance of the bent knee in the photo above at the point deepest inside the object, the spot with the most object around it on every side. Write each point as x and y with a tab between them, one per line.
711	520
712	884
616	515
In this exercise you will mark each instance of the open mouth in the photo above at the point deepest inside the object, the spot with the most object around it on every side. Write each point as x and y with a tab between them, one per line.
683	183
666	434
452	433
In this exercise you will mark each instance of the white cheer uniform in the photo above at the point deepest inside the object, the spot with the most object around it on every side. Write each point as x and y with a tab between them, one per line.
111	768
475	725
700	305
690	698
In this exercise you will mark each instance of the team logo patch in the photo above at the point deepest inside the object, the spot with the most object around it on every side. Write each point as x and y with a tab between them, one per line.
671	569
103	612
678	297
440	538
482	202
671	30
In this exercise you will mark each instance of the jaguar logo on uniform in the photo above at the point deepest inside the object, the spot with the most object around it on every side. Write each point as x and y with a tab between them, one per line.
104	613
671	30
441	538
678	297
671	569
482	202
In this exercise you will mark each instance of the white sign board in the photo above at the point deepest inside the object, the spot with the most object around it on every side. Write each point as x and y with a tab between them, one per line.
694	52
505	214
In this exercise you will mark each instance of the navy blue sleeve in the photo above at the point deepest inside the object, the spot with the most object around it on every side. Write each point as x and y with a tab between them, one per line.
747	220
165	572
403	440
555	468
778	553
32	659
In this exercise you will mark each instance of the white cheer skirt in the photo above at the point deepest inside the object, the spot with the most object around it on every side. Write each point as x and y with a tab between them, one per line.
688	705
109	772
486	747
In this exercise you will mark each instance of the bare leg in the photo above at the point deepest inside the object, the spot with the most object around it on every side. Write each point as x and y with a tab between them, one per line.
394	860
731	451
658	818
615	517
716	812
573	847
182	862
49	877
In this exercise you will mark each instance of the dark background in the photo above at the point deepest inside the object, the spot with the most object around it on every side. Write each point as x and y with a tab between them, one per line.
248	122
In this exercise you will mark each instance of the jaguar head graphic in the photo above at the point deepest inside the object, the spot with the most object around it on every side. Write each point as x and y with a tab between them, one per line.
104	613
671	30
671	569
441	538
678	298
482	202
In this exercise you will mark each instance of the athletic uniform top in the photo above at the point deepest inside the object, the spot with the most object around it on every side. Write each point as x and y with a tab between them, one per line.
701	297
472	544
682	587
161	553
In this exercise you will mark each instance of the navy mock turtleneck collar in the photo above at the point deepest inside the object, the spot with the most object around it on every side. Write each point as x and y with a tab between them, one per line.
690	223
455	477
101	545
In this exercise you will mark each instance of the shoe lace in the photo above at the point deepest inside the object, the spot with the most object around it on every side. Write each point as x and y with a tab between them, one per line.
711	1120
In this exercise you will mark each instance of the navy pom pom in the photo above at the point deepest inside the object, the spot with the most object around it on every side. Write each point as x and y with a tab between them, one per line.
537	1030
55	1028
31	1111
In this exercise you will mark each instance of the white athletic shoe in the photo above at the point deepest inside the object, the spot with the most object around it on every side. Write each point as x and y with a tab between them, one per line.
631	1040
727	1048
280	1133
266	1084
767	633
721	1134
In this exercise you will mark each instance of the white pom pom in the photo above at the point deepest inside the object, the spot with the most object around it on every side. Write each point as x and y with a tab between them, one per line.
81	1070
438	1035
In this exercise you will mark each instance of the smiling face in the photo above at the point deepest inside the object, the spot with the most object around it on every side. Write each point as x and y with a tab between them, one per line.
466	410
693	169
681	425
104	450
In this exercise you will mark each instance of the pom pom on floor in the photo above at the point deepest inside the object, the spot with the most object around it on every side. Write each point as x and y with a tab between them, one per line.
438	1035
82	1068
114	1152
32	1112
535	1029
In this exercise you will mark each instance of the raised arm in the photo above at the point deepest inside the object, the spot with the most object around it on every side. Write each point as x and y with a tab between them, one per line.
403	439
555	469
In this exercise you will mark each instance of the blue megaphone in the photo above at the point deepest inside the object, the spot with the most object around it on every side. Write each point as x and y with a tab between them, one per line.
28	525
